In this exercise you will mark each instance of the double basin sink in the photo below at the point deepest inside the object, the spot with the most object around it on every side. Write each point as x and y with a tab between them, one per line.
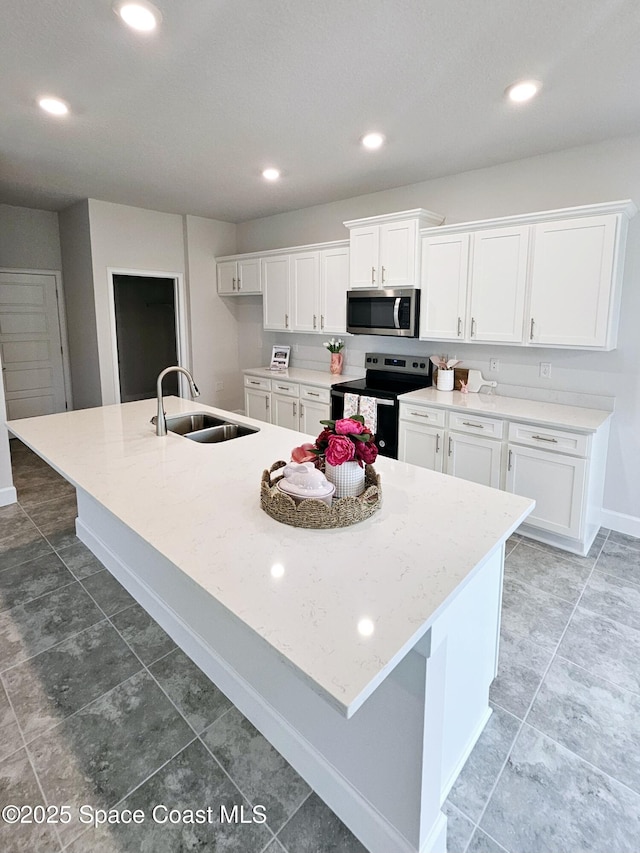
206	428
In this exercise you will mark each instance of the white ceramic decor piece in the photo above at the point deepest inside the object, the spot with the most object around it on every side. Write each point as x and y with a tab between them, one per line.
445	380
348	479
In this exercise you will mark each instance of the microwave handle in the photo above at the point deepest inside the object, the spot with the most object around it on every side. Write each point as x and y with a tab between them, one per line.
396	313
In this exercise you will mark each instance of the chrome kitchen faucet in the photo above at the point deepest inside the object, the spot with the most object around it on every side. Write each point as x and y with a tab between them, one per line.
160	420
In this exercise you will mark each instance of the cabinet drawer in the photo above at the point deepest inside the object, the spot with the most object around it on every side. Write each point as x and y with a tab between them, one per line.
289	389
547	438
486	427
422	415
257	382
319	395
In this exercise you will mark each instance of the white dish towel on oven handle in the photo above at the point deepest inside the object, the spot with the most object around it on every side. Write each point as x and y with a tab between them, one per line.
350	405
369	411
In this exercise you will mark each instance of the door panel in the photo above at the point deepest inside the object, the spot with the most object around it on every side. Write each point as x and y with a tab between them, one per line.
30	345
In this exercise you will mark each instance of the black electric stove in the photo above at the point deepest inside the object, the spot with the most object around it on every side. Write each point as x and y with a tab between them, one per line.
386	378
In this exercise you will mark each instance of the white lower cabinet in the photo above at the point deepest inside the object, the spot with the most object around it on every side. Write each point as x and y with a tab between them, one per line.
421	445
257	404
284	411
287	404
311	413
474	458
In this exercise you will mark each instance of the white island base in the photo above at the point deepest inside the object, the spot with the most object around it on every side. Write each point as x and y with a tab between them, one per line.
384	771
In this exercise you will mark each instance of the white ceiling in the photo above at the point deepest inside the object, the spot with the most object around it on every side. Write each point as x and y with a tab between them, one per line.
185	120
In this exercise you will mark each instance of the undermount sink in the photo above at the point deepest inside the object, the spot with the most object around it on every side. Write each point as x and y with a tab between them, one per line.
206	428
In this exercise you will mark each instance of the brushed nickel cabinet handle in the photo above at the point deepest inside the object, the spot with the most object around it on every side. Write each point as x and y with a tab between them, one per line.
314	321
473	327
239	284
450	448
373	275
421	414
459	326
322	321
437	442
476	426
301	410
286	321
312	394
295	410
253	382
531	331
509	460
382	279
266	402
233	284
545	438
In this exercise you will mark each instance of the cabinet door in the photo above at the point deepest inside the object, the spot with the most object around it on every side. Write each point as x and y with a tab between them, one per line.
257	404
445	267
334	283
473	458
421	446
398	247
556	483
497	284
310	416
305	290
571	281
249	276
363	256
284	411
227	272
275	282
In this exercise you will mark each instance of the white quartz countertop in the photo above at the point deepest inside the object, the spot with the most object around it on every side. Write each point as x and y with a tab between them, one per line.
304	377
513	408
198	505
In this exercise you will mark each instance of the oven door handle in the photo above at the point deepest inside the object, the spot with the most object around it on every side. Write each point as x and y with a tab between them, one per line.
396	312
380	402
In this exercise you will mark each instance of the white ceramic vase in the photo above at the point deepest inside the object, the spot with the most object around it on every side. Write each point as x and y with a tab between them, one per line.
444	382
348	479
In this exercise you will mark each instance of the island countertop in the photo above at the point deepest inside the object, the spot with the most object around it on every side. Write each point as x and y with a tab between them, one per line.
198	505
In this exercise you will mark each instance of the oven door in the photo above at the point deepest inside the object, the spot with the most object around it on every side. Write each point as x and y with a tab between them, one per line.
383	312
387	417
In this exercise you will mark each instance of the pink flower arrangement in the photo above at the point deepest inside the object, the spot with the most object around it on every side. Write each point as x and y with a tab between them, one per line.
343	440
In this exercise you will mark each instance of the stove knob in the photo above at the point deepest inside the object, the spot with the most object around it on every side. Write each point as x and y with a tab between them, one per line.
369	360
375	360
422	365
415	363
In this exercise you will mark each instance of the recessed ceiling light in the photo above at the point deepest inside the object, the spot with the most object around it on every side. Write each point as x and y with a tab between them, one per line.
54	106
373	140
523	91
140	16
271	174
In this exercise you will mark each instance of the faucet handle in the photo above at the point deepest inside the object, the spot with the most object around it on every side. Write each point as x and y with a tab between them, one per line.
154	420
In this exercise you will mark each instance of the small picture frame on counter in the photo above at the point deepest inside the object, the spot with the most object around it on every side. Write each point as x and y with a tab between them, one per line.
280	357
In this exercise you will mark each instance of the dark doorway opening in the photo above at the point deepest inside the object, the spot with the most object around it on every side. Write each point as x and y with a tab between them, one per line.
145	309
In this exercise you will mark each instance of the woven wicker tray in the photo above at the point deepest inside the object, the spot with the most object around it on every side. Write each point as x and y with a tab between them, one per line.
315	513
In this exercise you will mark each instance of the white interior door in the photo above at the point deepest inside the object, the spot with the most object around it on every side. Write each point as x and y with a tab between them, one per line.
30	343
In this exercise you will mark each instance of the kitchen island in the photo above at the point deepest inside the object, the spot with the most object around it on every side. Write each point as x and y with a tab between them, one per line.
363	654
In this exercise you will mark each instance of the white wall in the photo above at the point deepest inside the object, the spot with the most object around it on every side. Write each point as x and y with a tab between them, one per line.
7	489
214	320
127	238
75	242
29	239
603	172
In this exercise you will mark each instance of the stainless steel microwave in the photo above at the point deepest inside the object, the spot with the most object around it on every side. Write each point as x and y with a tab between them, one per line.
383	312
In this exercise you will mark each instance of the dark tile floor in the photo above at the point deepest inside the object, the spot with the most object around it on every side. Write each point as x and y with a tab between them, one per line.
98	706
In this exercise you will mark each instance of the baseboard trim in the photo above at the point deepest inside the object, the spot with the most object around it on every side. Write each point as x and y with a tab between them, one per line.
8	495
620	522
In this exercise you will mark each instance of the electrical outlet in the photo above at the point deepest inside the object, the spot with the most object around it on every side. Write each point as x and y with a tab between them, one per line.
494	365
219	386
545	369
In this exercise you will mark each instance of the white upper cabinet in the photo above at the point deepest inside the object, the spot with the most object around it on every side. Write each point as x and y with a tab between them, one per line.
385	250
276	305
497	282
239	277
543	279
305	284
334	283
572	282
445	266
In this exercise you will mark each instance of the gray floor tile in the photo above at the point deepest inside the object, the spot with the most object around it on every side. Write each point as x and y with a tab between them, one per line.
472	787
549	800
196	696
614	598
44	488
520	669
511	542
547	571
56	520
27	543
534	614
51	686
275	847
109	747
595	719
18	787
108	593
191	780
10	737
481	843
27	581
79	560
143	634
31	628
315	829
256	767
621	561
459	829
603	647
624	539
12	519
